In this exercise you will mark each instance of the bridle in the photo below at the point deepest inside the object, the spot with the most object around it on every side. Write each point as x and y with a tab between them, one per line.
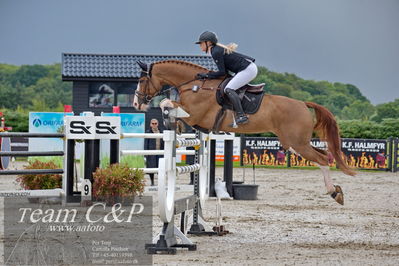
143	97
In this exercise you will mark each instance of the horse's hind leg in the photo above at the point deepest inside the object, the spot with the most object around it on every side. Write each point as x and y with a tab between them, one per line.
312	154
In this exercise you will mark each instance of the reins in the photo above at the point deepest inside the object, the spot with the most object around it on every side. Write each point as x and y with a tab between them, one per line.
145	98
200	88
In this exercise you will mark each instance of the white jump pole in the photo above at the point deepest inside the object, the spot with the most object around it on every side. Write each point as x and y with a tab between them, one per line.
155	152
155	135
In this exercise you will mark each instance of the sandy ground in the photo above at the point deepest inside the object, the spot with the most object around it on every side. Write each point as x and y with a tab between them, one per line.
294	222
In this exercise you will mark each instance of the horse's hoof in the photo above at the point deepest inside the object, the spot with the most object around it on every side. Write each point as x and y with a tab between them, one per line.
338	195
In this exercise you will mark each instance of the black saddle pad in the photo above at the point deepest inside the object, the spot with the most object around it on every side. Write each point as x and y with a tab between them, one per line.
250	101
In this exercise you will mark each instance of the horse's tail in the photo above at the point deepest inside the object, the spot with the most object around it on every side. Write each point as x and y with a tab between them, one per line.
327	128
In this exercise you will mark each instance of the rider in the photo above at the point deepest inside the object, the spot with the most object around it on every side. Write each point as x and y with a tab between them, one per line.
227	60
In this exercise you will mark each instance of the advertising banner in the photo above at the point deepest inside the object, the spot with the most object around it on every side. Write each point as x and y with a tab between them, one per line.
358	153
298	160
130	123
365	153
219	154
46	122
262	151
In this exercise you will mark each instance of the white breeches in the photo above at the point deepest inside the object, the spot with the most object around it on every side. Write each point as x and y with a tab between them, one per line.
243	77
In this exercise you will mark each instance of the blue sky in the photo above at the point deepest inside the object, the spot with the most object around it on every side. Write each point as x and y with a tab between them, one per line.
348	41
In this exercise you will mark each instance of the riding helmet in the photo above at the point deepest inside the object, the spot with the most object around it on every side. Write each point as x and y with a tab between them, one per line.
208	36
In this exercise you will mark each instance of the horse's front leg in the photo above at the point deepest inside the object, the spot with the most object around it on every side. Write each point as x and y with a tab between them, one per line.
168	103
180	128
172	104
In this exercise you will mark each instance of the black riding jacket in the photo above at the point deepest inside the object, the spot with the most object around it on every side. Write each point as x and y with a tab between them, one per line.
234	62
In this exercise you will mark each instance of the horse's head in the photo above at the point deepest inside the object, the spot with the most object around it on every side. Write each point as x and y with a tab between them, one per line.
147	88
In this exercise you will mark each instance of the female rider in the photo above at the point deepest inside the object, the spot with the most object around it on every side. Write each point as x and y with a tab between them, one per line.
227	60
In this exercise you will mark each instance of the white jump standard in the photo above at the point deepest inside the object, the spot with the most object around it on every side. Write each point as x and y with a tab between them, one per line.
166	241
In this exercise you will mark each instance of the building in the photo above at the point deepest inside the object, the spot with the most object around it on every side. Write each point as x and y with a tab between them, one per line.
101	81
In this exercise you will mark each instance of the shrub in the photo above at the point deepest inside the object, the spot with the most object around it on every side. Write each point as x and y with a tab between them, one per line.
117	180
40	181
369	129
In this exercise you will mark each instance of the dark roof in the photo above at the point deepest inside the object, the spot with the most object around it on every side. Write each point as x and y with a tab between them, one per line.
114	66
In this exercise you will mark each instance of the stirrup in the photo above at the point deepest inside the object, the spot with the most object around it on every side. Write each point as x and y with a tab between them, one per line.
242	119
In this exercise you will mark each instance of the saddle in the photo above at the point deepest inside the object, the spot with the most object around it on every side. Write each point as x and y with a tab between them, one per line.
251	96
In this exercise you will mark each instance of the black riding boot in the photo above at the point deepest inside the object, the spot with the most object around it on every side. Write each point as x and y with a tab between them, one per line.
241	118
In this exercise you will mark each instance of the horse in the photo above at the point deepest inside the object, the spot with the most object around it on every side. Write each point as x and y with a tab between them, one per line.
289	119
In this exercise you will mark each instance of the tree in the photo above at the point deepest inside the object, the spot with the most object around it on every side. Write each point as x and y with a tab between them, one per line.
339	100
358	110
301	95
281	89
387	110
28	75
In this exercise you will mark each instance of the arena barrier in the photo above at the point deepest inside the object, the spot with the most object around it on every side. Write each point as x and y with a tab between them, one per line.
88	128
362	154
7	154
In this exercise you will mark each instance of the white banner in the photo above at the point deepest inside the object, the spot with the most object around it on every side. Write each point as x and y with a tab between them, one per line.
92	127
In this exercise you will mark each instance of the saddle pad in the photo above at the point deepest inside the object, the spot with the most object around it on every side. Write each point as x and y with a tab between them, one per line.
250	102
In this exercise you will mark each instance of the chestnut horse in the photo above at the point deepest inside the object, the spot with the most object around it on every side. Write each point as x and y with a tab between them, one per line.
289	119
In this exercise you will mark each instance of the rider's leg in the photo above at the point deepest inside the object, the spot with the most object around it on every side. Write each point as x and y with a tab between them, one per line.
235	100
239	80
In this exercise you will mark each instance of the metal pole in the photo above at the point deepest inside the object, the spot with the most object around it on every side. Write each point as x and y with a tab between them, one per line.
114	151
395	161
228	166
31	135
212	152
389	153
92	158
70	166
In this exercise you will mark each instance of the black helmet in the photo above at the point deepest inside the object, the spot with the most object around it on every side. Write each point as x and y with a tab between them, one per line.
208	36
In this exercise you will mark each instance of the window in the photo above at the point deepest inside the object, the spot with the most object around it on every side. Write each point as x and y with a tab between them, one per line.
108	94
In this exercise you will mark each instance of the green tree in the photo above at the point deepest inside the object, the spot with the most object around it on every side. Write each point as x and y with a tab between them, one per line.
339	100
281	89
300	95
28	75
358	110
387	110
6	72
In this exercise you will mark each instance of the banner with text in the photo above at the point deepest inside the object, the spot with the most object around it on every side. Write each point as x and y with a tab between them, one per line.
358	153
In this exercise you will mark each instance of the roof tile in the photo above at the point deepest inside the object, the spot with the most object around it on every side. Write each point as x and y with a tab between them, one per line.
119	66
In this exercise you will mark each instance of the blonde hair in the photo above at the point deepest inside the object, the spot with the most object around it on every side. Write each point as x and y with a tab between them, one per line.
231	47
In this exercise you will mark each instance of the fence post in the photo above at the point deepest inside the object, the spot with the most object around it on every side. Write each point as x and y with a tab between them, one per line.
395	157
114	151
212	155
228	165
92	158
69	163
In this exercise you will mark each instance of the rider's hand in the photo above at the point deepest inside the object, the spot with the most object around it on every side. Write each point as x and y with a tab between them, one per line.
202	75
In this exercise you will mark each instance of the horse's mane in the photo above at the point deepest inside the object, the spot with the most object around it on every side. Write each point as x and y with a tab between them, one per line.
179	62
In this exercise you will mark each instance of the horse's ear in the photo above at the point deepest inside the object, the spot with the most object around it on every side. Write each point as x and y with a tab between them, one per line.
142	65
